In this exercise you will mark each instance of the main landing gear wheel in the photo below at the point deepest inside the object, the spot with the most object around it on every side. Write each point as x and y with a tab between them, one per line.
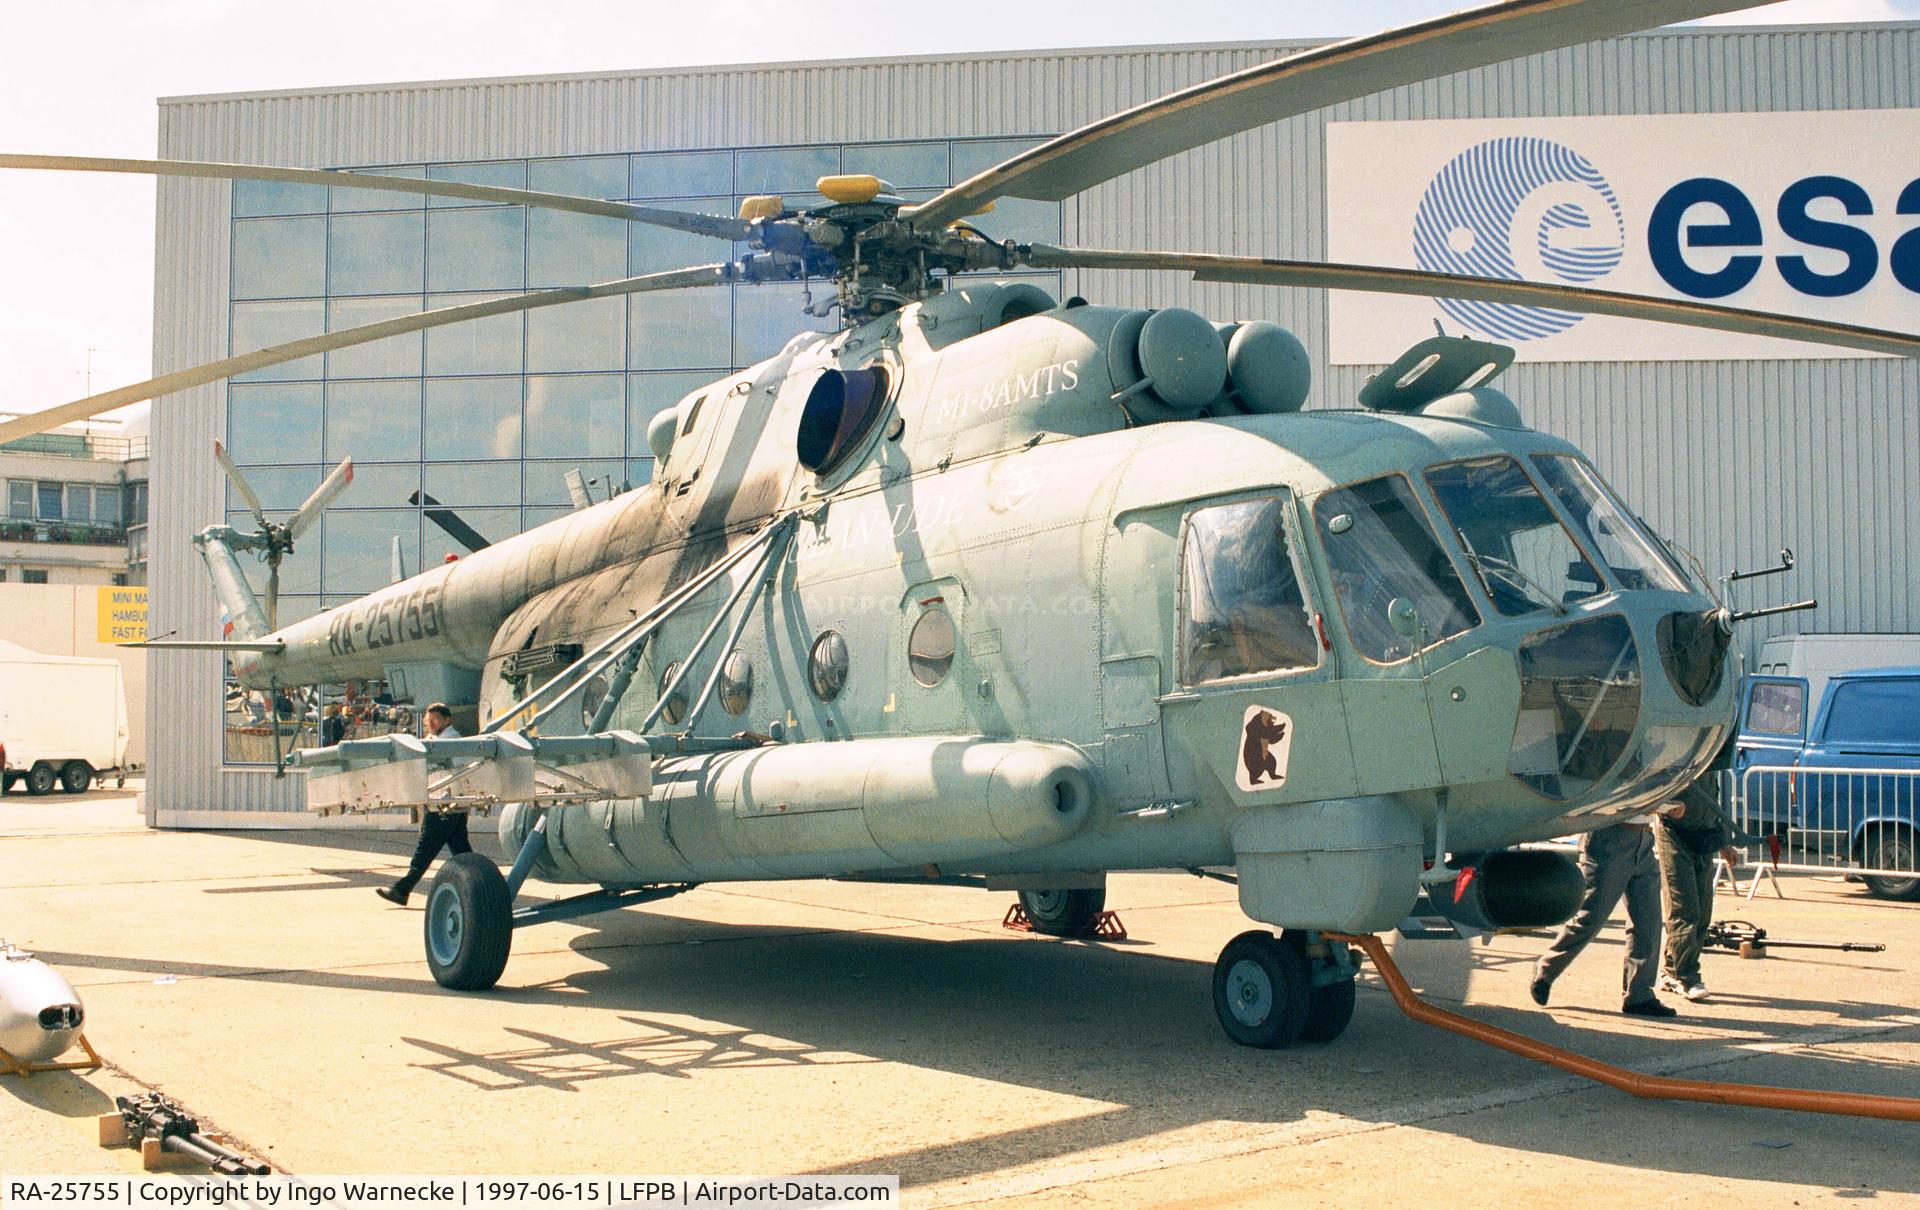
1270	991
1064	913
1262	990
469	924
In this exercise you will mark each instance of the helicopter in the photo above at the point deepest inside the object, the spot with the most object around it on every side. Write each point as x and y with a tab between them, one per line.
994	589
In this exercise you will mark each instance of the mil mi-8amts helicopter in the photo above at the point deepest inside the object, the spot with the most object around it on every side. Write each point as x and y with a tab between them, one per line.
992	588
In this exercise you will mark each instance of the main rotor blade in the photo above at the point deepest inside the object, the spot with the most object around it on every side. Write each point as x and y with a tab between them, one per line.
1377	279
717	226
1299	83
449	521
240	485
322	496
306	346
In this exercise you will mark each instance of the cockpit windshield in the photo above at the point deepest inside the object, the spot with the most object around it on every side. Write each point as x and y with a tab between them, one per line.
1379	548
1630	555
1525	557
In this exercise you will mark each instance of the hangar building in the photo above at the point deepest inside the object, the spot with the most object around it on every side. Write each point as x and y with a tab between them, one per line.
1586	163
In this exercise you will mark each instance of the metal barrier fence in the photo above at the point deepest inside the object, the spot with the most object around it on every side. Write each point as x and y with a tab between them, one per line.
1861	822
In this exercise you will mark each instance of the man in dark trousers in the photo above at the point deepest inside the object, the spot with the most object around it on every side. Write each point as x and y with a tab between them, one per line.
1614	861
1693	831
437	828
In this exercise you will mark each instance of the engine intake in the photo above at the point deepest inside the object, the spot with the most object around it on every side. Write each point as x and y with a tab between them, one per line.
1511	889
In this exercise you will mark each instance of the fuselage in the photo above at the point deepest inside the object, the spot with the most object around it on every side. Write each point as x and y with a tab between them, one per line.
1442	612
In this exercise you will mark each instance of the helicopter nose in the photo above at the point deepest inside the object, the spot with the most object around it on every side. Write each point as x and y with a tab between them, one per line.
1693	650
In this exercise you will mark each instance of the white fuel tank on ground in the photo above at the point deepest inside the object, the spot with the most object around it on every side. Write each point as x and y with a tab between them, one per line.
822	809
40	1014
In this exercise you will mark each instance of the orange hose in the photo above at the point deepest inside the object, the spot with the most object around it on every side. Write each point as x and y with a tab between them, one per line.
1661	1088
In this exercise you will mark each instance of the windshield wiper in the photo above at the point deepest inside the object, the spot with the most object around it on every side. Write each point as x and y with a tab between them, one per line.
1509	574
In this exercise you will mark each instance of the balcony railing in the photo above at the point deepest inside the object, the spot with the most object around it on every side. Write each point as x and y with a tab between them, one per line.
79	445
79	533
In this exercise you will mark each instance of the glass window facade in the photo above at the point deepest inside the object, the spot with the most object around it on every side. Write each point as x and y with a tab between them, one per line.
488	416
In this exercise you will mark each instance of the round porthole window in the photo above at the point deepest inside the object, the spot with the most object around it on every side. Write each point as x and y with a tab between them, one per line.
736	683
677	704
827	665
592	697
930	646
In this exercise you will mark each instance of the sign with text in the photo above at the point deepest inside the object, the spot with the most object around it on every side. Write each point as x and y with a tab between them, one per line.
1808	213
122	615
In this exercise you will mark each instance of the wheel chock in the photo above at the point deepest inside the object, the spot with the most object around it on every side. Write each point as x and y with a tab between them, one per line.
1105	927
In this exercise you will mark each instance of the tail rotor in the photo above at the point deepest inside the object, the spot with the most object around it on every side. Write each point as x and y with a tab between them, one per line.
275	539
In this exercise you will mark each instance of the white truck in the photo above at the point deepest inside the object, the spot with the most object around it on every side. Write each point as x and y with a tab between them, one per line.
63	720
1819	656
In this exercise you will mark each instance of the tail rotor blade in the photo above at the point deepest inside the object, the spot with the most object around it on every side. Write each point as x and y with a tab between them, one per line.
322	496
240	485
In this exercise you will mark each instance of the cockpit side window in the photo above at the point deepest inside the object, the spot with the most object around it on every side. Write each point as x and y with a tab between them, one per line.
1524	556
1379	547
1245	610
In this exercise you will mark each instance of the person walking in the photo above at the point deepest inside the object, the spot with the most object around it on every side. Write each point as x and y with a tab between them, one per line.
1693	831
438	829
1615	861
333	726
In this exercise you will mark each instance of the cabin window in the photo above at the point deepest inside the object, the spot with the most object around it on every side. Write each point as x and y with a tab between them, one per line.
677	704
827	665
1524	556
1245	611
736	683
930	646
1380	548
591	698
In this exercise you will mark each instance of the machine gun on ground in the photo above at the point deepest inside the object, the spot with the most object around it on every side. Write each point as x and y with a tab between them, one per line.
160	1120
1751	941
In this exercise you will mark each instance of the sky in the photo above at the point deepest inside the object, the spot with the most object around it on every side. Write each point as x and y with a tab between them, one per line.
82	78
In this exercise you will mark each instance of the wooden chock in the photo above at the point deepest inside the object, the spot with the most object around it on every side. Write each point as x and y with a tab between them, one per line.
9	1065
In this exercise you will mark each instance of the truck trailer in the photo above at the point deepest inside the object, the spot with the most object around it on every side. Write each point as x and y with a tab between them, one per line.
63	720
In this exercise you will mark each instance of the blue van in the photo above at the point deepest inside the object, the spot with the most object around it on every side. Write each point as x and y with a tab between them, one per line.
1844	789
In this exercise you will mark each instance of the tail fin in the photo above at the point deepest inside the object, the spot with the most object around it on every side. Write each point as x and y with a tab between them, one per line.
244	618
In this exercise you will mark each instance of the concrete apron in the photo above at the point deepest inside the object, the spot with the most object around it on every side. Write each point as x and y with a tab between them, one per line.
815	1027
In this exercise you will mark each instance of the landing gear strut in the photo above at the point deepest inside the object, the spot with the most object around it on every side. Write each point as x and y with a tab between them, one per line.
1272	991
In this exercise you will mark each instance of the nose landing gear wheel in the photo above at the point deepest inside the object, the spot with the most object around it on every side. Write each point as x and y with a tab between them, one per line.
469	928
1262	990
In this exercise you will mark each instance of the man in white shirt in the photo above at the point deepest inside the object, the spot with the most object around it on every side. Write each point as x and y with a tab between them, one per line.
438	829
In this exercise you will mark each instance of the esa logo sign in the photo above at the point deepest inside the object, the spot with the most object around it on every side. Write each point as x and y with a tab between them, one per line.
1529	208
1809	212
1519	208
1676	227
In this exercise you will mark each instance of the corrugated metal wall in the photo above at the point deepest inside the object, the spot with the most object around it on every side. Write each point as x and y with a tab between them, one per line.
1731	458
